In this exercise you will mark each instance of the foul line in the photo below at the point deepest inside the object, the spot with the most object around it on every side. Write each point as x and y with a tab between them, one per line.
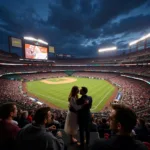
61	101
102	87
102	99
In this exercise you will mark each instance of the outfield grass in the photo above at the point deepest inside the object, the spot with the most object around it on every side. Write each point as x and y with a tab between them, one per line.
57	94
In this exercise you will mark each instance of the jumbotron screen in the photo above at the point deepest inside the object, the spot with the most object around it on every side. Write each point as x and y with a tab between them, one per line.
35	52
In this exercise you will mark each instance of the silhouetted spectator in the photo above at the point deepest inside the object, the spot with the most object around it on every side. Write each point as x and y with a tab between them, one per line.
36	137
8	130
103	128
93	126
54	123
23	120
29	118
141	130
122	121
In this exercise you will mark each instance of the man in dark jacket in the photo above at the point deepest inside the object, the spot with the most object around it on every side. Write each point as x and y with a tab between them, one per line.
122	121
84	116
36	137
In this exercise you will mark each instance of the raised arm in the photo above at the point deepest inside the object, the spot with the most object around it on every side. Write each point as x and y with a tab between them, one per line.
74	104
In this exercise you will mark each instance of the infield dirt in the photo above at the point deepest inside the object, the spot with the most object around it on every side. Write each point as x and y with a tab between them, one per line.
66	80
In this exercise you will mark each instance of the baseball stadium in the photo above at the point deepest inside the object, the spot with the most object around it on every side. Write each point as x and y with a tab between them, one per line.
58	82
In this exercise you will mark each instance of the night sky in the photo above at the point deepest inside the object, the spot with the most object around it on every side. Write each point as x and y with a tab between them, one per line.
76	27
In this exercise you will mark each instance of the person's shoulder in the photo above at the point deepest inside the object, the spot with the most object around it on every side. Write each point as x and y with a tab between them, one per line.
140	145
49	136
16	128
26	127
29	125
11	126
14	122
89	97
100	144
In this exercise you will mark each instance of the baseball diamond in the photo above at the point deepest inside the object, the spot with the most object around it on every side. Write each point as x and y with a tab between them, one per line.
55	91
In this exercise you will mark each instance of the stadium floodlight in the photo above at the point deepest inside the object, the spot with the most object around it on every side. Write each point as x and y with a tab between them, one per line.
33	39
107	49
41	41
141	39
30	38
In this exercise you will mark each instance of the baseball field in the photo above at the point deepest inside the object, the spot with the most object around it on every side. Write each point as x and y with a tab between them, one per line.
55	91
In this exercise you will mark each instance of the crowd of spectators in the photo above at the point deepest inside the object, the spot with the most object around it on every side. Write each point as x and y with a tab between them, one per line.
4	56
139	70
135	94
138	56
12	91
42	76
43	129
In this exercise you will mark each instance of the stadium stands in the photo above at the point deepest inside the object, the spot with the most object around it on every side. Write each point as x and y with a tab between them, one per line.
135	93
136	70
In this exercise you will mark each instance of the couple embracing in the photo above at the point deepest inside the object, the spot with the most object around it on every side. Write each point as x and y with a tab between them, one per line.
79	115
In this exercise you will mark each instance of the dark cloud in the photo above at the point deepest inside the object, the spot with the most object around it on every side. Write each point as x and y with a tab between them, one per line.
65	19
10	19
128	25
86	7
112	8
69	4
86	16
77	27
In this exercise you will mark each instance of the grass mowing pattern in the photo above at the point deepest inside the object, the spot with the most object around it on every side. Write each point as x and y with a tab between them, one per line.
57	94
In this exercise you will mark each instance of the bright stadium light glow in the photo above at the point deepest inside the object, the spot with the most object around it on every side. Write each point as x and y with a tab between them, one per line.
30	38
107	49
141	39
41	41
33	39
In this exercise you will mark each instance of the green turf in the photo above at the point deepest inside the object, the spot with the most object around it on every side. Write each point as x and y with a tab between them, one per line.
100	90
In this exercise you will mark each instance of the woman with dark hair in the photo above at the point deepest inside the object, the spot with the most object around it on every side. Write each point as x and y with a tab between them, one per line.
71	124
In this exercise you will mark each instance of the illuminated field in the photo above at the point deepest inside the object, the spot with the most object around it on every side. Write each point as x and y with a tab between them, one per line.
57	94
